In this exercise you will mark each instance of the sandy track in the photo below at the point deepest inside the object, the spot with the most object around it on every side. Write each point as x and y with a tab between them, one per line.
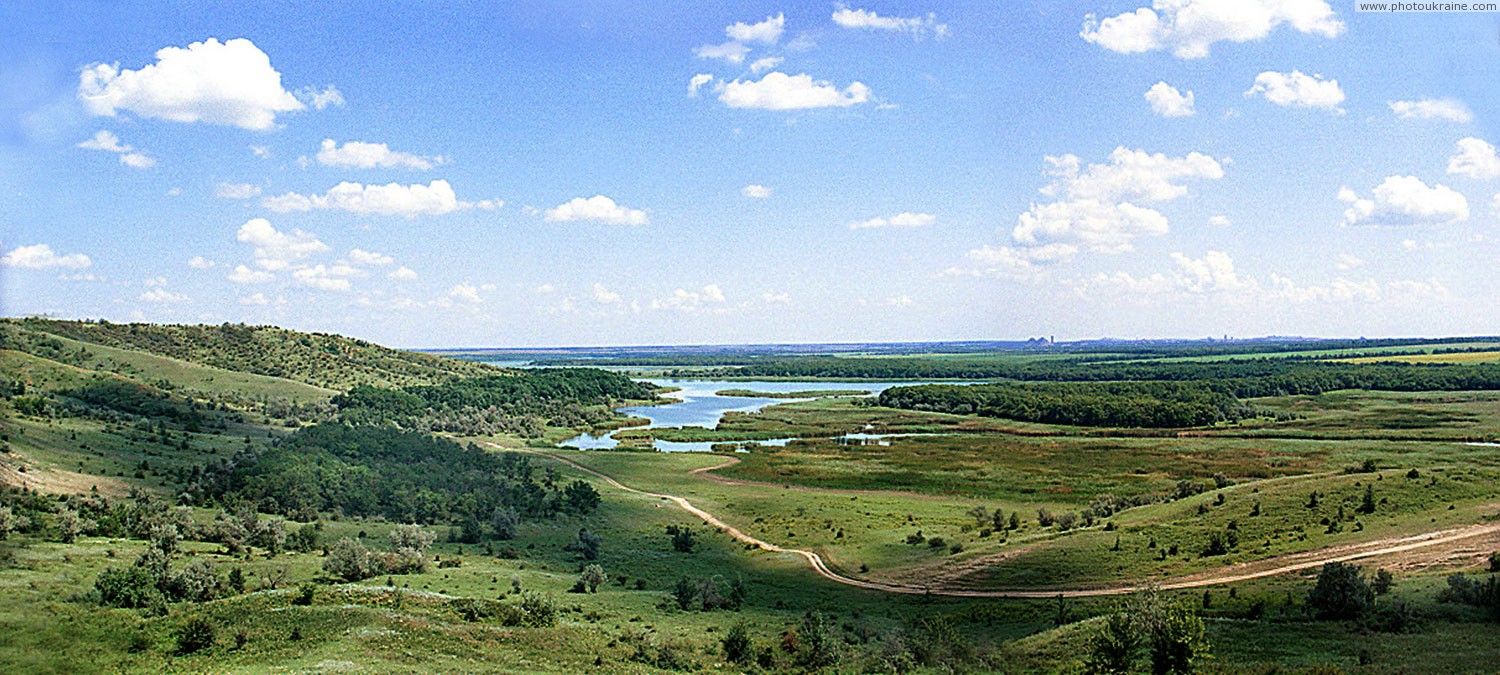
1243	572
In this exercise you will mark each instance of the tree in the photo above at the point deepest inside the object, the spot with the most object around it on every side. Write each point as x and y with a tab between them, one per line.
1367	505
237	580
683	540
1112	649
1383	582
581	497
1341	593
817	646
980	515
270	535
305	539
68	526
593	577
411	537
350	560
196	582
1171	635
130	587
505	521
410	543
586	545
737	644
197	634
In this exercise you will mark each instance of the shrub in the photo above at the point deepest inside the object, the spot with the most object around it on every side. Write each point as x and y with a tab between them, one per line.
1341	593
586	545
350	560
1392	617
305	594
196	635
304	540
130	587
537	610
195	583
593	577
737	644
505	522
683	540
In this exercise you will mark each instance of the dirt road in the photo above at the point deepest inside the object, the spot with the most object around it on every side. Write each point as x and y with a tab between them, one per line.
1244	572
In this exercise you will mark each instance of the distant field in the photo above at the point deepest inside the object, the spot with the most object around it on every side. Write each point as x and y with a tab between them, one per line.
1345	354
1456	357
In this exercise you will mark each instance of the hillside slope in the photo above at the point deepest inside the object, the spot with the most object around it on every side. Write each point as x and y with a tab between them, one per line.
325	361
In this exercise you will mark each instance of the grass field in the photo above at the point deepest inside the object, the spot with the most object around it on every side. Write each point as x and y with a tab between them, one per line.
872	509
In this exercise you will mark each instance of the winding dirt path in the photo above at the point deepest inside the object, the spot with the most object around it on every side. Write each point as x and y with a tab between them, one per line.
1243	572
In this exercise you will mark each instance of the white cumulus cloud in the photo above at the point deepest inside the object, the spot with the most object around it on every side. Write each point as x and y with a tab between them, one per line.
755	191
136	160
236	191
1450	109
246	275
733	52
1021	263
1405	200
1097	206
604	296
903	219
326	278
779	91
41	256
360	256
918	26
106	141
277	250
767	31
320	99
392	199
162	295
1298	89
402	274
764	64
362	155
465	293
709	299
228	83
598	208
1188	28
1167	101
1475	158
698	82
199	262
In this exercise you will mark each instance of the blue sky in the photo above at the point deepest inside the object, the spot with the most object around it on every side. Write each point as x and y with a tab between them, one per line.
445	174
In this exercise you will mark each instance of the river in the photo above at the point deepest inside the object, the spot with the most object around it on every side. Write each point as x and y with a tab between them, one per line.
699	405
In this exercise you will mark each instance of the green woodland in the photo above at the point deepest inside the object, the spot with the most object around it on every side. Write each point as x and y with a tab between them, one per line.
248	499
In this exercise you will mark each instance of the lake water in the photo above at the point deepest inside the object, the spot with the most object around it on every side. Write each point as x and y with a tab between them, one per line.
699	406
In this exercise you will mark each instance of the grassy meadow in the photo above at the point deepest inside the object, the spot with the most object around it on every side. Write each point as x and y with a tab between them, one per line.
912	502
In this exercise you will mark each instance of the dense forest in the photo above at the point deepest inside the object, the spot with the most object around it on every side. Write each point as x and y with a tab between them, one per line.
522	403
1113	404
402	476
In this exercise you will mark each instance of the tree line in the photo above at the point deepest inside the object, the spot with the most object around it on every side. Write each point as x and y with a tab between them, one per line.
403	476
522	404
1113	404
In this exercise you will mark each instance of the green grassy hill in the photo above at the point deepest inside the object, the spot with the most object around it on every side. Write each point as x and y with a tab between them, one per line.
316	359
